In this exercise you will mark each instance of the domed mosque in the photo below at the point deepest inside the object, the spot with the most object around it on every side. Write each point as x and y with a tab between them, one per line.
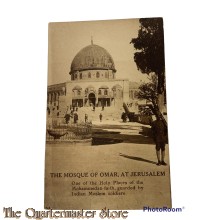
93	83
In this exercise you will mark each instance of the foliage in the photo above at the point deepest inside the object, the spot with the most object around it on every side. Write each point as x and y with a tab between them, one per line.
148	90
150	49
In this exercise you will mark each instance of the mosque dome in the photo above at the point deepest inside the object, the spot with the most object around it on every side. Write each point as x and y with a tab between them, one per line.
92	57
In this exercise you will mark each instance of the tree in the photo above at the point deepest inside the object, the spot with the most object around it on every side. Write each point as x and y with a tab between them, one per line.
148	90
150	58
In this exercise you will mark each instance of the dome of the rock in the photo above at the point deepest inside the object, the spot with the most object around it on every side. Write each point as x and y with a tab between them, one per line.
92	57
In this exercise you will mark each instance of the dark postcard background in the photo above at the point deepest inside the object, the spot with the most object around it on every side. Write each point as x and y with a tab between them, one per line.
192	68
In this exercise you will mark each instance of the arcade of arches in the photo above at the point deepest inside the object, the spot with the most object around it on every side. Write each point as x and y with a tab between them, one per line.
93	83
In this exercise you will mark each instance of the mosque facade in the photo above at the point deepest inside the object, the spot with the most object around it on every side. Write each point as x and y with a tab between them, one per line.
93	83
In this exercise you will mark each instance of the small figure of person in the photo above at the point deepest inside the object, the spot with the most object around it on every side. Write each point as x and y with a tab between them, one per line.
75	118
100	117
86	118
67	116
124	117
159	131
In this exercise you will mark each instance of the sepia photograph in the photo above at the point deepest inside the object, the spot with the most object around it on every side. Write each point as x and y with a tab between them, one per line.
106	131
108	109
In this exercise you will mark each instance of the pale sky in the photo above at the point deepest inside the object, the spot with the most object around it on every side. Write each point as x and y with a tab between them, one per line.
67	39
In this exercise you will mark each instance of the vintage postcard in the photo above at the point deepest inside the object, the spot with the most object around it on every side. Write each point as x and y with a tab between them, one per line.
106	132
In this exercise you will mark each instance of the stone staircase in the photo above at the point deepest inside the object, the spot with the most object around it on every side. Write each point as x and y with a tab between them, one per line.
109	113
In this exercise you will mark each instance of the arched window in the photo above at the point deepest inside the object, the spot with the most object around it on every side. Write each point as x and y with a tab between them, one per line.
100	92
54	99
51	98
78	92
80	75
89	75
106	92
97	75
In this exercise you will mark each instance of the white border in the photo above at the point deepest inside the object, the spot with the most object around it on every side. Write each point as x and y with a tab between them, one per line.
192	57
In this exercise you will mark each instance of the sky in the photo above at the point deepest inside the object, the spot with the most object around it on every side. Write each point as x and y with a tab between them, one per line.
66	39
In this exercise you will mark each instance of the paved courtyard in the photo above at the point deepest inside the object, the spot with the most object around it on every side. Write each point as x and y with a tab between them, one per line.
118	148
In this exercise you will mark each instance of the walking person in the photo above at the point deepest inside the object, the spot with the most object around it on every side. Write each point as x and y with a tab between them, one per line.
75	117
86	118
100	117
159	131
123	117
67	116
